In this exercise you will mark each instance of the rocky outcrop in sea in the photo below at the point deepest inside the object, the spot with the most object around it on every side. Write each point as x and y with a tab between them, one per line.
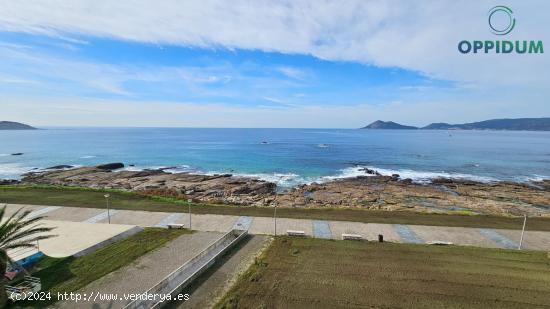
441	195
222	188
373	191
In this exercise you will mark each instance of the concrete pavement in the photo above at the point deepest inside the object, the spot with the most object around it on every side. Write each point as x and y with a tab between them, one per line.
75	238
492	238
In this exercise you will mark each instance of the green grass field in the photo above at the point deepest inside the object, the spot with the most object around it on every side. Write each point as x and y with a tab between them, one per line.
70	274
314	273
81	197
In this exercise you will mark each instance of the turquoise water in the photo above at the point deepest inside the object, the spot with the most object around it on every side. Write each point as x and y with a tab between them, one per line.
286	156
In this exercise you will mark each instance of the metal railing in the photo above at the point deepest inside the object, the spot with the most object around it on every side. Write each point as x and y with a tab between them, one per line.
185	274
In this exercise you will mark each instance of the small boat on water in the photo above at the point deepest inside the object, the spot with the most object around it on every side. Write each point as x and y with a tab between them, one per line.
323	146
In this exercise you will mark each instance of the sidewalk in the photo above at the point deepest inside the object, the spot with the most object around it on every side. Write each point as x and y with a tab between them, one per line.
480	237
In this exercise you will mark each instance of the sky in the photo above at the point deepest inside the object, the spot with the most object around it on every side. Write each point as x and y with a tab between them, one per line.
292	64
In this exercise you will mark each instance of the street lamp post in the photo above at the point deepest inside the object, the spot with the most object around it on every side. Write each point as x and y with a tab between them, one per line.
275	217
522	231
108	209
189	201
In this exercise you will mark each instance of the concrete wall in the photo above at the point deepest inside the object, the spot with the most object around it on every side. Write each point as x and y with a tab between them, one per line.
179	279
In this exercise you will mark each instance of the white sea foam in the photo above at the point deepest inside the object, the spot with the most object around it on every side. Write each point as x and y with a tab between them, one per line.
65	168
349	172
288	180
87	157
4	154
281	179
417	176
138	168
531	178
180	169
168	169
13	170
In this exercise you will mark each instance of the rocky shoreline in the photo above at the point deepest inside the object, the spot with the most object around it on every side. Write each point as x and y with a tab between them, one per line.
370	192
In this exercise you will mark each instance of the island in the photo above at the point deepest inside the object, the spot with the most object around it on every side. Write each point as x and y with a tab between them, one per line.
519	124
379	124
11	125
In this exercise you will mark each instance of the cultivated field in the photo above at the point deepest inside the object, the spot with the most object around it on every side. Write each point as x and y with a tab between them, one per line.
313	273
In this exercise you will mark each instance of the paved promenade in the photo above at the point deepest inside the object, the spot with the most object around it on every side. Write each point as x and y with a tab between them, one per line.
481	237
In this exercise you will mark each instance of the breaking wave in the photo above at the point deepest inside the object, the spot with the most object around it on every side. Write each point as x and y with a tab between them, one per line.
285	180
288	179
13	170
425	176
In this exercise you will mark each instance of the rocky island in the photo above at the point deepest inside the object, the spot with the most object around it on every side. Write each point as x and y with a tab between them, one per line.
372	191
518	124
11	125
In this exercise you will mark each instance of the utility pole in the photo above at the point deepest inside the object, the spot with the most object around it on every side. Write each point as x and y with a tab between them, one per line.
108	209
522	231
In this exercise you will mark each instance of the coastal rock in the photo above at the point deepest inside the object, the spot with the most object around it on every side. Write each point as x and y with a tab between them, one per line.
369	171
370	192
221	188
110	166
17	154
388	193
59	167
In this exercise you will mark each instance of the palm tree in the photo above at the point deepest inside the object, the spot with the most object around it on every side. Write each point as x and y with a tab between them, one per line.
17	231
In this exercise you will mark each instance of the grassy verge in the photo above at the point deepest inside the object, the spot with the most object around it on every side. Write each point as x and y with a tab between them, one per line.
314	273
71	274
84	197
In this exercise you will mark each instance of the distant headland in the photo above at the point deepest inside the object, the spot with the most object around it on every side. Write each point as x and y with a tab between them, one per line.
519	124
10	125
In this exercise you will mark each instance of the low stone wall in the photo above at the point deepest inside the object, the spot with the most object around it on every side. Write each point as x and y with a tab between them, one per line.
179	279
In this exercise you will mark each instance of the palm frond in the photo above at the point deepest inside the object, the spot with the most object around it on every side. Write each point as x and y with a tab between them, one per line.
21	231
17	224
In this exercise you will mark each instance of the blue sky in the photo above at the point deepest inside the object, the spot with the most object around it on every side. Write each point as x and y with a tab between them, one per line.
142	71
284	64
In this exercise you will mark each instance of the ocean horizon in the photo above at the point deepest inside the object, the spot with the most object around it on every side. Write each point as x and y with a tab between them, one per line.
287	157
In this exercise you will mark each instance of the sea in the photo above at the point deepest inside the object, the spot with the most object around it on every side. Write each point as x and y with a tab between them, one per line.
288	157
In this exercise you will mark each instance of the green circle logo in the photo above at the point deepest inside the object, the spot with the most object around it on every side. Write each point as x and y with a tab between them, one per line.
500	12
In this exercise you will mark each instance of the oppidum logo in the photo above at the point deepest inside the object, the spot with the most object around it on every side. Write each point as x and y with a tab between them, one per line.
501	22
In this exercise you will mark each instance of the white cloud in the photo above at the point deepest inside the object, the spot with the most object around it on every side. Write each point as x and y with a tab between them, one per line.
420	36
294	73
